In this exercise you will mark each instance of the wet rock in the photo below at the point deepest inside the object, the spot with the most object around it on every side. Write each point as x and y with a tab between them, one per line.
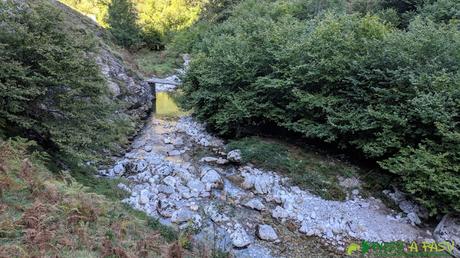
266	232
234	156
449	230
211	177
239	237
255	204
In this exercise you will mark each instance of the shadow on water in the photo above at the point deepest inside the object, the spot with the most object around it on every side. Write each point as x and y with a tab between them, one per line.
166	105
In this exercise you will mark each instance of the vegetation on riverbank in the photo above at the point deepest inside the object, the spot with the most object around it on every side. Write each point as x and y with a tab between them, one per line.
42	214
376	77
314	171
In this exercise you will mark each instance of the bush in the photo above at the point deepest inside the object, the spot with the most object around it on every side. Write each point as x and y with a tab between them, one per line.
121	19
347	79
51	90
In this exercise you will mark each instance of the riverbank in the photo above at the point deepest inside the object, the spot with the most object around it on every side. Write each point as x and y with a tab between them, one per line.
180	174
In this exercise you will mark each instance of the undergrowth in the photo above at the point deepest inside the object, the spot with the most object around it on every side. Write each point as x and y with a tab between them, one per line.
42	214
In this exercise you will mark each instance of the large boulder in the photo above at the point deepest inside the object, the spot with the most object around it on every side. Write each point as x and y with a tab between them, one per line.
449	230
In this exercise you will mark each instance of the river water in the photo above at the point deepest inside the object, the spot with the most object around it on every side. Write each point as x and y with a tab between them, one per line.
183	176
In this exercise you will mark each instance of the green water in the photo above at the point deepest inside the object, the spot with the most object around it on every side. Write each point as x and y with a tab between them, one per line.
166	105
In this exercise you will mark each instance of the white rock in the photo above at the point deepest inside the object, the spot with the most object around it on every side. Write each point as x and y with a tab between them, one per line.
196	185
239	237
214	214
255	204
174	153
169	180
210	176
119	169
266	232
234	156
279	213
144	197
413	218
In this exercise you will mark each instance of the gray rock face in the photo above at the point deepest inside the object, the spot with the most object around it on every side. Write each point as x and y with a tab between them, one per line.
239	237
255	204
449	230
266	232
234	156
125	84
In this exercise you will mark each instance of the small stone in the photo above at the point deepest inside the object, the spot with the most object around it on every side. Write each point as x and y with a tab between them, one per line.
144	197
355	192
119	169
169	180
196	185
178	141
255	204
166	189
234	156
239	237
174	153
266	232
148	148
279	213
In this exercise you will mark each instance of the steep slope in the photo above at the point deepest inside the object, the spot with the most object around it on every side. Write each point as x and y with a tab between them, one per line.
63	82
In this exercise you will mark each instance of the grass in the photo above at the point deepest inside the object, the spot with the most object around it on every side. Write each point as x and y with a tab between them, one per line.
310	170
42	215
156	63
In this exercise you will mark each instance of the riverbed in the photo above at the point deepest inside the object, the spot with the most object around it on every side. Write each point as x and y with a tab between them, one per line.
184	176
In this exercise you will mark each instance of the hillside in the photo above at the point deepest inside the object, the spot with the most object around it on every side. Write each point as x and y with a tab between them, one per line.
65	87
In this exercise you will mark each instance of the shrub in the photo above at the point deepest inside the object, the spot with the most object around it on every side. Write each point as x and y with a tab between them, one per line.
121	19
346	79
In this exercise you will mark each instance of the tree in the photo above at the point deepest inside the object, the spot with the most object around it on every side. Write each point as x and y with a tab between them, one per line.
121	18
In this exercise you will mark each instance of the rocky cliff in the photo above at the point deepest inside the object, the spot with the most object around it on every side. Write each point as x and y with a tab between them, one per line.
125	84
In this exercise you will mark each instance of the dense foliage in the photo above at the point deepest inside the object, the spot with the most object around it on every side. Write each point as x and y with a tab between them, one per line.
155	19
51	89
378	77
121	18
